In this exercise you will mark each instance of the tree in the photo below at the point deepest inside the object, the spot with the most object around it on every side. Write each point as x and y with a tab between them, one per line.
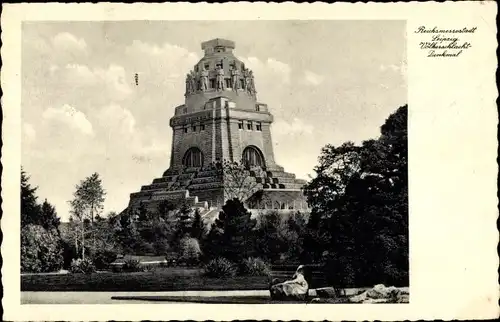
190	251
238	183
359	201
185	215
126	230
86	205
49	219
197	228
30	210
292	232
41	249
232	231
268	237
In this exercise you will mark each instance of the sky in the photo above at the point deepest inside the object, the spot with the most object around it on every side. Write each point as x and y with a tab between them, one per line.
326	82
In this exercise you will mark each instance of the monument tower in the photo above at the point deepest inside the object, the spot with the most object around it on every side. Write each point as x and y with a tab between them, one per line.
221	120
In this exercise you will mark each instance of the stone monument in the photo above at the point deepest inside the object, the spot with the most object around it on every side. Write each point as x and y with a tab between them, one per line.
221	121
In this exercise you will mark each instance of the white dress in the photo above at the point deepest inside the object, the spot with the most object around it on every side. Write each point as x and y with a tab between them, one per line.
295	288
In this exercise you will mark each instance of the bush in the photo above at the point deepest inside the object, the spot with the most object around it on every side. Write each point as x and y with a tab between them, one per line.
69	253
254	267
84	266
102	258
220	267
190	251
116	268
41	250
132	265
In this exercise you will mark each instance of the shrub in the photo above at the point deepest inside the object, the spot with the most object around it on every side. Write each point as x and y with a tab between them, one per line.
132	265
190	251
102	258
69	253
254	267
41	250
220	267
116	268
84	266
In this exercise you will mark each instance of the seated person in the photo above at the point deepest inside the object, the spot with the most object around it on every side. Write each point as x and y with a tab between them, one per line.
295	289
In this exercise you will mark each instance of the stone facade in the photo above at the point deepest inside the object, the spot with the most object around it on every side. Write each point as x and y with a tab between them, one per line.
221	120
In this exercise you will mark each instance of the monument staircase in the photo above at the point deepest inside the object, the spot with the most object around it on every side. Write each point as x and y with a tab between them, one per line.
197	186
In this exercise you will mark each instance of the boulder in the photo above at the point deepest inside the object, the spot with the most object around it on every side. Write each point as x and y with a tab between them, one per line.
326	292
381	294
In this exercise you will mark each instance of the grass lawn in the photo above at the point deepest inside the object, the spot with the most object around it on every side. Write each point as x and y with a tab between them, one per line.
167	279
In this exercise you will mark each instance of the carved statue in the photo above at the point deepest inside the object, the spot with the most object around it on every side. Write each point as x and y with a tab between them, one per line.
245	79
193	82
220	79
204	80
190	83
235	79
250	86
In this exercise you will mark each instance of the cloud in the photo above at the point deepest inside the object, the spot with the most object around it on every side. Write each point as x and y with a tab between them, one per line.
65	41
117	120
111	79
297	126
311	78
271	70
280	67
119	125
69	116
29	133
165	63
396	68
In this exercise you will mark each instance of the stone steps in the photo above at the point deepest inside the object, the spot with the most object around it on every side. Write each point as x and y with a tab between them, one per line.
201	180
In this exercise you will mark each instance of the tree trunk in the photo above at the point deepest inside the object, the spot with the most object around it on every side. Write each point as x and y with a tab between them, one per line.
76	242
83	239
92	225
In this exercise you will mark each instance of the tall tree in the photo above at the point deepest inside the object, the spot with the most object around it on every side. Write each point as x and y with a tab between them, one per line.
49	219
197	227
233	229
30	210
87	203
359	201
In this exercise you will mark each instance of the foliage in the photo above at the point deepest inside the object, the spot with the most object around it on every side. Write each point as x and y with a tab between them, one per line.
231	235
132	265
254	267
82	266
359	201
197	227
32	213
269	242
30	209
41	249
238	183
279	237
190	251
49	219
69	252
87	203
220	267
103	257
